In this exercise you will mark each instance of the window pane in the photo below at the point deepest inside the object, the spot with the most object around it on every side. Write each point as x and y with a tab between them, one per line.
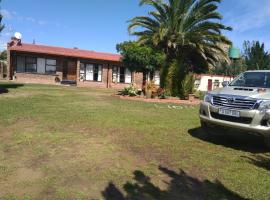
31	67
50	68
122	75
100	73
115	74
128	76
41	66
82	68
30	60
89	72
157	77
20	64
95	73
50	62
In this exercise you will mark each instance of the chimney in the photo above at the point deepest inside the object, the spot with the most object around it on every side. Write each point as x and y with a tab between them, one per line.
14	42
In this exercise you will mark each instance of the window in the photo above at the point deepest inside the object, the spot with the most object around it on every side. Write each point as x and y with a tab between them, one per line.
121	75
197	83
30	64
35	65
91	72
20	64
115	74
252	79
50	66
82	71
216	84
153	76
157	77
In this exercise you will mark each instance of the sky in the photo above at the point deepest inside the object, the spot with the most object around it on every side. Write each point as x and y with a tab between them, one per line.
100	24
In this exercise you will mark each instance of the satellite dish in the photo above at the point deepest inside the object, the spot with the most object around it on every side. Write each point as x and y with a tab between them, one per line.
18	35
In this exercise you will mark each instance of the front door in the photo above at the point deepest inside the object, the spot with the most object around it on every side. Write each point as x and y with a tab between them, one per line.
69	70
210	85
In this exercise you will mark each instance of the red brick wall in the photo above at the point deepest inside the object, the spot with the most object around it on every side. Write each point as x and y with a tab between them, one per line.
137	78
35	78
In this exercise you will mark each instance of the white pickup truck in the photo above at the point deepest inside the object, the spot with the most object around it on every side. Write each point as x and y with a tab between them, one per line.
244	105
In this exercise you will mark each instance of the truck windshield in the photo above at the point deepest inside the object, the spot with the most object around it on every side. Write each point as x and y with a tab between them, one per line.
252	79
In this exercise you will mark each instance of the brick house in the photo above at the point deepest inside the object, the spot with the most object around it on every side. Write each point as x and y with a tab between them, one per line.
31	63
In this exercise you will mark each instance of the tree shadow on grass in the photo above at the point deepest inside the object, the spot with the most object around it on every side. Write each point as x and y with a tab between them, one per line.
259	161
181	186
4	87
239	141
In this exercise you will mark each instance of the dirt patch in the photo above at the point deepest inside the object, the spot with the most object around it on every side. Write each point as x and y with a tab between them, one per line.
173	101
24	181
28	175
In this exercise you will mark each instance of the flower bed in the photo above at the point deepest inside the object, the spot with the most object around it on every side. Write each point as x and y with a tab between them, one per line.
156	100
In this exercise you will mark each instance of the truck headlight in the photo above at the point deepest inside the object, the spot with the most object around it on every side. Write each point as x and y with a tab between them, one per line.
208	98
264	106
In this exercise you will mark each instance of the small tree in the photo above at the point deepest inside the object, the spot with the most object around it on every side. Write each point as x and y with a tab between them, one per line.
3	55
140	58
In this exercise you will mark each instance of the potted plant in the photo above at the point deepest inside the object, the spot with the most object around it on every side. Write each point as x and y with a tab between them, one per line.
150	88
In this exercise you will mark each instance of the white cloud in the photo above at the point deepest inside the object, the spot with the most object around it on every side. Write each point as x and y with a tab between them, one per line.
13	15
248	15
30	19
41	22
7	14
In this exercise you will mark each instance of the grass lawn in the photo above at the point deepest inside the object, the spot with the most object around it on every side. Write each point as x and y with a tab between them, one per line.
80	143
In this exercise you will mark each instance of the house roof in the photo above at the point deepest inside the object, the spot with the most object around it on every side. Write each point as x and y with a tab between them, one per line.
78	53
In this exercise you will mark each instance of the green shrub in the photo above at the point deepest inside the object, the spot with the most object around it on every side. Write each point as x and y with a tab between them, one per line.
131	90
161	93
187	85
200	95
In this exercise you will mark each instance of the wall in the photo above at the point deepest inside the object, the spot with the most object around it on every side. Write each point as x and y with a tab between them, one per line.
203	81
35	78
74	67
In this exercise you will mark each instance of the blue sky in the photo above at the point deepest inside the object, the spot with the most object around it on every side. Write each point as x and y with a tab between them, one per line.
100	24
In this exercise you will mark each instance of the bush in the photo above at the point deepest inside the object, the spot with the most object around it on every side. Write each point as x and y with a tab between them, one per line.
187	85
200	95
131	90
161	93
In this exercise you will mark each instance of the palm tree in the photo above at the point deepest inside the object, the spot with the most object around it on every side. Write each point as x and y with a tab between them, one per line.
2	26
186	30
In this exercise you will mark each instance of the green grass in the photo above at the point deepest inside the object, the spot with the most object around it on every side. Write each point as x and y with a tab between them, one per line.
81	143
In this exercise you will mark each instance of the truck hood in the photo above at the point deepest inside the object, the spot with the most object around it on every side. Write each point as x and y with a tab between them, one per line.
243	91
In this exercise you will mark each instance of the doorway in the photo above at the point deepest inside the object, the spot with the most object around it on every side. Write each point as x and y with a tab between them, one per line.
210	85
69	70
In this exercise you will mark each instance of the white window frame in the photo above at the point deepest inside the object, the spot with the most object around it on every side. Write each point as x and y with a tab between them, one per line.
87	72
128	79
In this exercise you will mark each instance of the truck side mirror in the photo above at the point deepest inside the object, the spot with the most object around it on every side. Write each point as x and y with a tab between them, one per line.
225	83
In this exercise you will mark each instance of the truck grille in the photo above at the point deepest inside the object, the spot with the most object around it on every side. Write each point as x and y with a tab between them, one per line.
242	120
232	102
